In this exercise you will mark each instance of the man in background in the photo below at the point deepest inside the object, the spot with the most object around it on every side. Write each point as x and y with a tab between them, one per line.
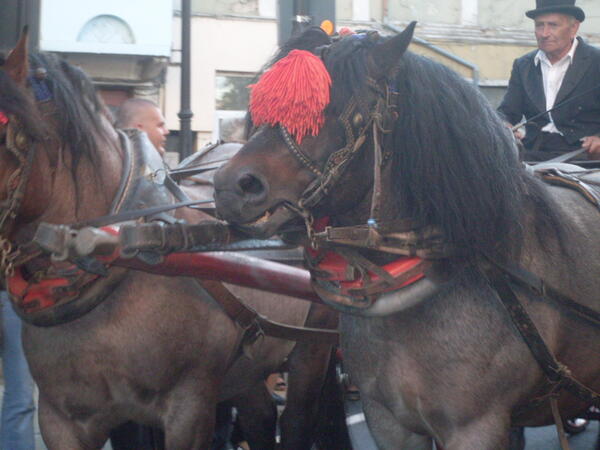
146	116
564	73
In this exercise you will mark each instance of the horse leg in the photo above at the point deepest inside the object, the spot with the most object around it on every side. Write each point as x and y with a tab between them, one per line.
483	433
388	432
257	416
307	369
517	438
189	420
61	432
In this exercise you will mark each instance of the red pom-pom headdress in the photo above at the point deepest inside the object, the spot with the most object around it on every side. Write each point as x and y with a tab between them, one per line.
3	118
293	93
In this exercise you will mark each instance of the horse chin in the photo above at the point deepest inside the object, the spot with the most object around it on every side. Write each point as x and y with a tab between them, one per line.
269	223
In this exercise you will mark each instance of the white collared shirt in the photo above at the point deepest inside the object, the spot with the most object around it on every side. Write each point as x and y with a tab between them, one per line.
553	76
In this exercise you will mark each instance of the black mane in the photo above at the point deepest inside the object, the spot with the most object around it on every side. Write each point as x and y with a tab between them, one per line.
79	112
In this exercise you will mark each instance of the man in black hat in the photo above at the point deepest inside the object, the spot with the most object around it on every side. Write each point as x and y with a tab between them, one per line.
564	74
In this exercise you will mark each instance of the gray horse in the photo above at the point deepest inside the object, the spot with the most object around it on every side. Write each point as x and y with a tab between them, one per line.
404	140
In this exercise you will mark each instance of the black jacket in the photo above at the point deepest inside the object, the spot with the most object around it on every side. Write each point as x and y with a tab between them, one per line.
576	119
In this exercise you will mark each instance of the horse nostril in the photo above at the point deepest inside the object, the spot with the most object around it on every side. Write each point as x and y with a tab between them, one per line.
249	184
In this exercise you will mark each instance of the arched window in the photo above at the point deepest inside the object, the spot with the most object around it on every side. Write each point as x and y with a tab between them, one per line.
106	29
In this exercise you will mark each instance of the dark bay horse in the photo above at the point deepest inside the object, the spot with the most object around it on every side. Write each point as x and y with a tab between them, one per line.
404	145
158	350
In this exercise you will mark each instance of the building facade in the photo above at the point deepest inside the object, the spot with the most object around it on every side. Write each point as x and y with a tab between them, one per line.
133	48
232	39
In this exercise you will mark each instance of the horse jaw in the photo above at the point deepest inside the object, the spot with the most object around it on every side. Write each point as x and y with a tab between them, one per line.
268	224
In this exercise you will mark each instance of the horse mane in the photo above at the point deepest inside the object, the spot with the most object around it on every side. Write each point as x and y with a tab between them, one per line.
455	164
80	115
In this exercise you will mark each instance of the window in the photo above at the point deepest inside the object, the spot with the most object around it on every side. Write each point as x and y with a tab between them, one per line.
106	29
232	91
232	96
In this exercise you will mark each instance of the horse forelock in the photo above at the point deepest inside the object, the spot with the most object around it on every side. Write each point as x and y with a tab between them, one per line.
347	63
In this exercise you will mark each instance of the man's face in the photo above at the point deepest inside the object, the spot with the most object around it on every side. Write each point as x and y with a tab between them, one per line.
555	33
153	123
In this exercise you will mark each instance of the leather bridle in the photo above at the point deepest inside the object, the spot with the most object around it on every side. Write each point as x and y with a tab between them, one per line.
23	149
327	175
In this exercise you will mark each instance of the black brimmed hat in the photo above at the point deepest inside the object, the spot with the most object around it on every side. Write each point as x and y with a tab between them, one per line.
556	6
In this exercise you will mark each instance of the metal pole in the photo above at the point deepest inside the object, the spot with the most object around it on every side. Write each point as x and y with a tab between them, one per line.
185	113
301	19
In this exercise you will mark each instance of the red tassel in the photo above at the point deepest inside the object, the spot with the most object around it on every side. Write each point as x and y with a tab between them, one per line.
294	93
3	118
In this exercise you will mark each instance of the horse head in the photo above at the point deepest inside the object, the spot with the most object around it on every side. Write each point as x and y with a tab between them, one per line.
399	136
289	154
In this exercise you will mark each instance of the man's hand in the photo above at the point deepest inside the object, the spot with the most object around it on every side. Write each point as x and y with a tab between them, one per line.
591	144
517	132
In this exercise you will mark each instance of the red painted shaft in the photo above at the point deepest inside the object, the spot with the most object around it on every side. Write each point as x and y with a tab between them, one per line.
232	268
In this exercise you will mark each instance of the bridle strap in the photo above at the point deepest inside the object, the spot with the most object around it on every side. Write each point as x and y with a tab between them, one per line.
24	152
20	147
337	162
523	277
297	152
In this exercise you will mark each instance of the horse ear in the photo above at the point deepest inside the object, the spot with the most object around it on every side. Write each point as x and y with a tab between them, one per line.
386	56
16	64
